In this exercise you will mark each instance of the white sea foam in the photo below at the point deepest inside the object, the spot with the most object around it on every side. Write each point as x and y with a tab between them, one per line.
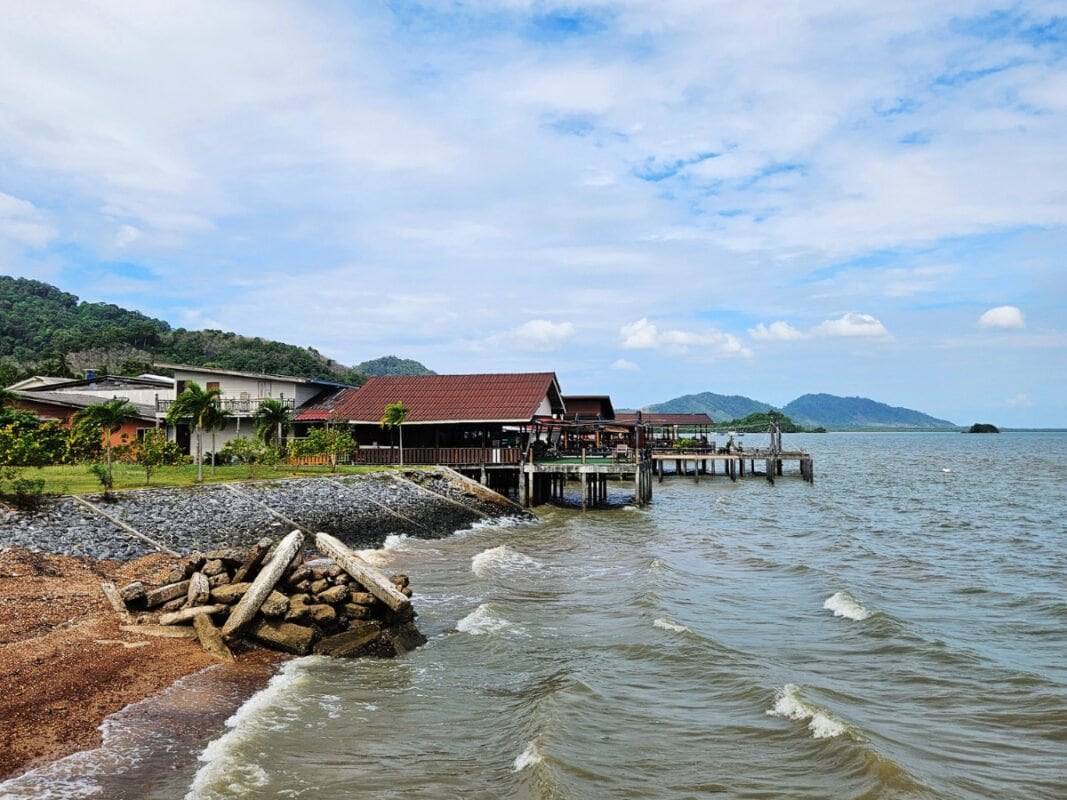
667	625
789	704
483	620
227	771
500	559
499	522
394	543
528	757
844	605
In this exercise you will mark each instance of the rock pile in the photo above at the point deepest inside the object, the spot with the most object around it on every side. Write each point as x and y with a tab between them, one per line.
335	605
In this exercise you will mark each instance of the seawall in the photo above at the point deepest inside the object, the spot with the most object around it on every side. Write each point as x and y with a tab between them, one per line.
361	510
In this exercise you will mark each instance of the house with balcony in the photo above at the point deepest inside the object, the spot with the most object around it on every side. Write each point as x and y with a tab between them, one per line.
242	393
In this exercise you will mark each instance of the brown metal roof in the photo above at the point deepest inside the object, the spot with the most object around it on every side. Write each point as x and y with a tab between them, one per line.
589	406
649	418
512	398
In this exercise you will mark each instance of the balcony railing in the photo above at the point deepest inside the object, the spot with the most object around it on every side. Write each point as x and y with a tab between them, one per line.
448	456
235	406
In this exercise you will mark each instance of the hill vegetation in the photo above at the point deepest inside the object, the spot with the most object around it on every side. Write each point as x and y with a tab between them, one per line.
760	422
392	365
716	406
858	413
44	330
808	412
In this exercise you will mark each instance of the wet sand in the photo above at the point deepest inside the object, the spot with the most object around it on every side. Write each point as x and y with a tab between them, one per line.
64	663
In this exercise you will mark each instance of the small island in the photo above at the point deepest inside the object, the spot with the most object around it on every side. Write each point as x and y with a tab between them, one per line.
983	427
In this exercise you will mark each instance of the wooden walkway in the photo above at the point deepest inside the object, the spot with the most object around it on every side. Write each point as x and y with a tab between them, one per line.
734	465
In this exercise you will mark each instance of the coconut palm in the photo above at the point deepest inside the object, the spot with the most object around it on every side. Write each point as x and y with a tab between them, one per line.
199	406
109	416
215	420
271	419
394	416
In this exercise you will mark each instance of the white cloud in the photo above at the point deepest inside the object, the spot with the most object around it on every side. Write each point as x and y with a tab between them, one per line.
853	324
1002	317
22	222
643	334
624	365
775	332
542	334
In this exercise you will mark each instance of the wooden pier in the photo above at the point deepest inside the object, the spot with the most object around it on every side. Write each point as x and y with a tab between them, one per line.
546	481
734	465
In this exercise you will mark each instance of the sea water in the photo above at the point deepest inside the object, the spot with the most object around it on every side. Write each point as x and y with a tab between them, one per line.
896	630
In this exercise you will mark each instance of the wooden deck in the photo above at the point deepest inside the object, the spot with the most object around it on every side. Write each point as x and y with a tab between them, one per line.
734	465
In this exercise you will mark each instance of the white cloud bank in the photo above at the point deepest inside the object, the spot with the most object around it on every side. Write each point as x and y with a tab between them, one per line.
542	334
849	325
1002	317
644	335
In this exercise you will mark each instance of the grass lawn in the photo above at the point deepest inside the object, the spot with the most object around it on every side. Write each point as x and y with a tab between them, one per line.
79	480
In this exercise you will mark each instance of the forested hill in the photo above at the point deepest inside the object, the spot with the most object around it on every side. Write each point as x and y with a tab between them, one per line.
809	411
44	330
855	413
391	365
716	406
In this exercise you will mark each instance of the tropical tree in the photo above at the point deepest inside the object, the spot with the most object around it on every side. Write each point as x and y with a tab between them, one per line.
197	405
213	421
109	417
7	398
271	419
394	416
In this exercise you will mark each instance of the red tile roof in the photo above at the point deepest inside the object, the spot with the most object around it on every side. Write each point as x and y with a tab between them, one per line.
512	398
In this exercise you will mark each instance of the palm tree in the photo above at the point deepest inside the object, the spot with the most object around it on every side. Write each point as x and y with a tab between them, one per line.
198	405
214	420
109	416
271	418
394	416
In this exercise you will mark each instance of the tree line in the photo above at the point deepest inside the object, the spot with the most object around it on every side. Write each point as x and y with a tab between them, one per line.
44	330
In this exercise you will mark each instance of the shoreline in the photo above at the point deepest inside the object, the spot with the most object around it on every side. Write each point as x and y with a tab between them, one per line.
65	664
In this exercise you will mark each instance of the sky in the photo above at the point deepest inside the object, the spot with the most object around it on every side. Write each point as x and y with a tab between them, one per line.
649	198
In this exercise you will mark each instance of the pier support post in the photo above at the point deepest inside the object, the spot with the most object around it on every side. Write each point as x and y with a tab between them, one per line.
585	490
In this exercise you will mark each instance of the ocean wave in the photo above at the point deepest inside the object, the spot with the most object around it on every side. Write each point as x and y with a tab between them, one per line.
484	620
501	522
789	704
528	757
845	605
380	556
227	771
501	559
667	625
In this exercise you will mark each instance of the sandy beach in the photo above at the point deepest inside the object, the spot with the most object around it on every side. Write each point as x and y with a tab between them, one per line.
65	664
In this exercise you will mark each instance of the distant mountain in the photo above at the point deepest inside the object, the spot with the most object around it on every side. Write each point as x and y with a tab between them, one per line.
391	365
852	413
720	407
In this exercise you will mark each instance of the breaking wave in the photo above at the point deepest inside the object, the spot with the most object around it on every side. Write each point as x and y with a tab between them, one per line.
844	605
483	620
789	704
501	559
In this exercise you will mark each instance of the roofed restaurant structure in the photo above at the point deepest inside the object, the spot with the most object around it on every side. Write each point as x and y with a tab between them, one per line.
452	419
